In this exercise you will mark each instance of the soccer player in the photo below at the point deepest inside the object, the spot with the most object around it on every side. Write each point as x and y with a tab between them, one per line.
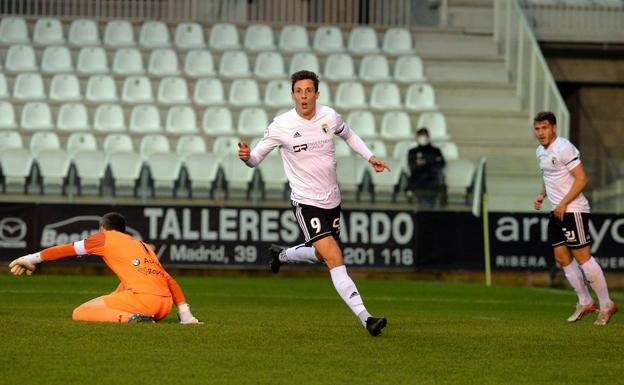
564	180
146	292
305	138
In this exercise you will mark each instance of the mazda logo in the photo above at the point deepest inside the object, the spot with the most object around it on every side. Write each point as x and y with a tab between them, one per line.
12	229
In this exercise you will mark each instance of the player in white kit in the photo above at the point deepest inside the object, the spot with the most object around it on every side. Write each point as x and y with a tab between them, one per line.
564	180
305	138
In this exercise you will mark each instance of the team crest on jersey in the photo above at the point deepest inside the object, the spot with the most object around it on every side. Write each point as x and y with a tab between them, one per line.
553	160
136	262
325	127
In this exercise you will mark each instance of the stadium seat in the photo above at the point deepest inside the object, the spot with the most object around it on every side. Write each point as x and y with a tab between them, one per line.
41	141
165	171
237	174
53	169
436	124
385	96
397	41
172	90
328	39
190	144
199	63
449	150
224	145
244	93
458	176
209	91
202	170
29	87
363	40
145	118
273	176
154	34
324	94
163	62
339	67
350	173
36	116
294	38
374	68
101	88
10	139
81	141
396	125
65	87
305	61
378	147
269	65
109	118
385	184
217	121
7	116
117	143
4	87
90	169
189	36
277	94
234	64
252	122
48	31
259	37
137	89
153	143
350	95
92	60
20	58
181	120
400	152
363	123
125	168
13	30
56	59
128	61
119	33
224	36
72	117
409	69
342	149
83	32
420	97
16	167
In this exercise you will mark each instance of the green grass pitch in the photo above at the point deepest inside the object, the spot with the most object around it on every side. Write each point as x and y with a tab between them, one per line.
276	330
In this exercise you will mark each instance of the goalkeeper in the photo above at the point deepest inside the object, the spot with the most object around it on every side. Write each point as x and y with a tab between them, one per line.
146	292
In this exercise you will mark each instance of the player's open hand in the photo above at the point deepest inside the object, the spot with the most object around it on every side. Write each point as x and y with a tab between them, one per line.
21	265
537	202
244	152
378	164
559	211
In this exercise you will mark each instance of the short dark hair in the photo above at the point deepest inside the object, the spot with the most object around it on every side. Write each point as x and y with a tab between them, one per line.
113	221
303	75
545	115
422	130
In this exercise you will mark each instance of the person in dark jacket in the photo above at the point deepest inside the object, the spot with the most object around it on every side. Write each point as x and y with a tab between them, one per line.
426	163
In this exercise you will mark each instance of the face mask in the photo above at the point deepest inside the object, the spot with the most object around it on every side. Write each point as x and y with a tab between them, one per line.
422	140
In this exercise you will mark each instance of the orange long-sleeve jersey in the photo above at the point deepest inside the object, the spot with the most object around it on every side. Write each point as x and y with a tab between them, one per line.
134	262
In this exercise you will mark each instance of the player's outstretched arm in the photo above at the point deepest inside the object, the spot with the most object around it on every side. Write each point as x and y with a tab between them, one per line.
25	264
184	309
378	164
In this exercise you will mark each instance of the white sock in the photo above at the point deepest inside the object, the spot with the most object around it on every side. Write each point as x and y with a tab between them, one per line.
595	276
299	253
575	276
346	288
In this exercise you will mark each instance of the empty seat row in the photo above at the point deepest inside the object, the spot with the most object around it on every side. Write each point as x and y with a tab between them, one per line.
222	36
200	63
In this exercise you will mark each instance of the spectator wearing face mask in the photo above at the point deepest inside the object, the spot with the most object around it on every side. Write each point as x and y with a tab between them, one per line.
425	163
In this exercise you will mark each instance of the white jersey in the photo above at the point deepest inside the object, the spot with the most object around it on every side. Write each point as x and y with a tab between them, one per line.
555	163
308	153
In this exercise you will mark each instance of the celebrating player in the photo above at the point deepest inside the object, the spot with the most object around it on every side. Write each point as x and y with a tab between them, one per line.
564	182
146	292
305	137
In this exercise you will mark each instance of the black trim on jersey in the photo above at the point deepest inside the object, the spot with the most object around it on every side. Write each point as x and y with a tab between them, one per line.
572	161
338	131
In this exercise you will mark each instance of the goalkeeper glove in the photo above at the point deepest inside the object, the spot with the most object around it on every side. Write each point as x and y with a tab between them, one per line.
25	264
185	316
